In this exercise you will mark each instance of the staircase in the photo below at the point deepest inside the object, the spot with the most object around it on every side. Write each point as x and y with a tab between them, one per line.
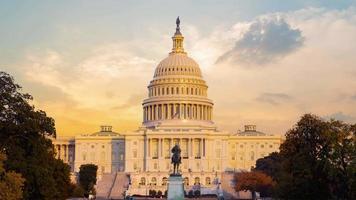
120	185
104	185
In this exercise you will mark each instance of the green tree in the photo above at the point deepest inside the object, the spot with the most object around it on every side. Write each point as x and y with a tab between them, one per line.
11	183
24	134
317	160
270	165
87	177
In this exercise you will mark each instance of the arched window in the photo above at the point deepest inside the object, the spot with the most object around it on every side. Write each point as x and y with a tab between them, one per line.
191	91
167	90
154	181
172	91
207	181
187	90
186	181
196	91
143	181
177	90
162	91
164	181
252	155
196	181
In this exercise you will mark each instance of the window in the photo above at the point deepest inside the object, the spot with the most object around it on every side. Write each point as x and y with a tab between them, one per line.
84	155
164	181
103	146
135	166
155	166
262	146
142	181
196	181
252	155
154	181
207	181
186	181
270	146
134	152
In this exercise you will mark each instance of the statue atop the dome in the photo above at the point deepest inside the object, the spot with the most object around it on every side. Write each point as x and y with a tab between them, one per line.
178	28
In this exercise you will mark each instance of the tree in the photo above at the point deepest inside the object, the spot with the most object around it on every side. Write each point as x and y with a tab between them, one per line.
270	165
11	183
24	134
87	177
254	182
317	160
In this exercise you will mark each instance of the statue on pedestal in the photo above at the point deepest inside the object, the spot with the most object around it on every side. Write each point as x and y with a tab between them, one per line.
176	159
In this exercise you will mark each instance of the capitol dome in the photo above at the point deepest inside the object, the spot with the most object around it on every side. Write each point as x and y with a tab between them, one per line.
177	64
177	94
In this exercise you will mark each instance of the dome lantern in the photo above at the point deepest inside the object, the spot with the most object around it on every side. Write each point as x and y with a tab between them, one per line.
177	40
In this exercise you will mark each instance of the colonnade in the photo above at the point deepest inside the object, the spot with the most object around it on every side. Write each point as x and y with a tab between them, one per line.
177	111
62	152
170	90
161	147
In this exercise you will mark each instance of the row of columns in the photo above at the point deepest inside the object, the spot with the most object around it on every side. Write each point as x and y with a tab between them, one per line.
62	152
192	147
157	91
177	111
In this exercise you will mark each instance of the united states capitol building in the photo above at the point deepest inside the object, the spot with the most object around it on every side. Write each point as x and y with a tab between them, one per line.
177	110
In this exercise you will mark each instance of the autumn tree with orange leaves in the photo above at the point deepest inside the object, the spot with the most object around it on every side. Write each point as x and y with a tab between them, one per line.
255	182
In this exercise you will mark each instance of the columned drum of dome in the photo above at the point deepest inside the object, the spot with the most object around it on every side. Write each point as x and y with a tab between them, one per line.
177	95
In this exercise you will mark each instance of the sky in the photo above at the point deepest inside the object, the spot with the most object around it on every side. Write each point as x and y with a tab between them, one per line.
88	63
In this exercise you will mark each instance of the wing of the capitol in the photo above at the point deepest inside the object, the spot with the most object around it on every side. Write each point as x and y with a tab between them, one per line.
176	111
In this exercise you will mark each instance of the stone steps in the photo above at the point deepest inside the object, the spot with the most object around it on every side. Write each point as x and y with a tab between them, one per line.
104	186
120	185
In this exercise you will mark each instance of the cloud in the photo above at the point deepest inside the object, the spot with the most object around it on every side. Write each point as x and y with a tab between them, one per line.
133	100
267	39
341	116
274	98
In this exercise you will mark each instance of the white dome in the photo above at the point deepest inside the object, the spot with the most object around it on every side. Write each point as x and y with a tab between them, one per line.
177	64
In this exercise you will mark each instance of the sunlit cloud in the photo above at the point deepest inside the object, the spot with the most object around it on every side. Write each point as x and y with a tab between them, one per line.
267	39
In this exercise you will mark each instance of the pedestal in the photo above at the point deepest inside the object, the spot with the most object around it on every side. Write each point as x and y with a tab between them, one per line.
175	188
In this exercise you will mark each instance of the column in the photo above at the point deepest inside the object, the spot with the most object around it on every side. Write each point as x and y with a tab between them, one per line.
201	148
189	147
204	147
149	147
170	146
178	111
174	110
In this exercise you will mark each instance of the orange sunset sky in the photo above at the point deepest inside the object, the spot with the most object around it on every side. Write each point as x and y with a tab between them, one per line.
88	63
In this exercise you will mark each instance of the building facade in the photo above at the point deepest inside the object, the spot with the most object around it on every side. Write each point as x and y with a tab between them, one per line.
176	111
